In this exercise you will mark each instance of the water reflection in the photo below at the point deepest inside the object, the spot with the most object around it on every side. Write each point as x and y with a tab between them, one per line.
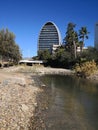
73	103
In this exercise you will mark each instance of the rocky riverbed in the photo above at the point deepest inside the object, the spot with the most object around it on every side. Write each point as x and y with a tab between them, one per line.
23	98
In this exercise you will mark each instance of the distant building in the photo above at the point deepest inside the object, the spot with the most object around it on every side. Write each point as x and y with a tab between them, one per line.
49	36
54	48
79	49
96	36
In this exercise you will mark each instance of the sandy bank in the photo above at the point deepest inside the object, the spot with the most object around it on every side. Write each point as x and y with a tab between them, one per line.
46	70
40	70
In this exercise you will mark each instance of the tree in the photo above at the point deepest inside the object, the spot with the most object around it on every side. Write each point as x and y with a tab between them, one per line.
71	39
90	54
44	55
83	33
9	50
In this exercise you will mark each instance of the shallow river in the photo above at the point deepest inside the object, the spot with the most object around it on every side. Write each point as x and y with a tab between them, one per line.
73	103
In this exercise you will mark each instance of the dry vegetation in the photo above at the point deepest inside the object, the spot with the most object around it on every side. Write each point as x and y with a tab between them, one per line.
86	69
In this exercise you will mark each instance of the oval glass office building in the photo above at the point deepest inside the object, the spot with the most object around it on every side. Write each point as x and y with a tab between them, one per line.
49	37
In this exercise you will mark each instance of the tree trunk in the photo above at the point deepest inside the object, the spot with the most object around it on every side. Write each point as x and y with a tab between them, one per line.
75	51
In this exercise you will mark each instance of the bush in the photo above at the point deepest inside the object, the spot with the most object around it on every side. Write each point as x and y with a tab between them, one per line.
85	69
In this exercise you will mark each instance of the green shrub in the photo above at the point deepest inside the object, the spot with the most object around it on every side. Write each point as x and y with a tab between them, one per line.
85	69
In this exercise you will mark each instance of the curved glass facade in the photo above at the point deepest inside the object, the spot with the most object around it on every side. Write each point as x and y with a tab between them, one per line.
49	36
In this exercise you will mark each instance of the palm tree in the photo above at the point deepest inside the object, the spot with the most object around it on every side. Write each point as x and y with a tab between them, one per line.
83	33
75	41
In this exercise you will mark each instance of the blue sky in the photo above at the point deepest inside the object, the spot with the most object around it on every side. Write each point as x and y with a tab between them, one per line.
26	17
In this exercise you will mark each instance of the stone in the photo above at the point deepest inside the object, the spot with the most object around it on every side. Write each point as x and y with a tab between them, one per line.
24	108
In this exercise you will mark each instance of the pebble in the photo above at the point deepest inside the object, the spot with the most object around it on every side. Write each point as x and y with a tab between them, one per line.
24	108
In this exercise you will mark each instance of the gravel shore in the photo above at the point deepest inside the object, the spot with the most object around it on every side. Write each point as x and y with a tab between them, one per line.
17	99
23	97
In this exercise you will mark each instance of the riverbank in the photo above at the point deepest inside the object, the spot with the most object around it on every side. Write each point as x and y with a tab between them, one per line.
23	97
93	77
18	94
